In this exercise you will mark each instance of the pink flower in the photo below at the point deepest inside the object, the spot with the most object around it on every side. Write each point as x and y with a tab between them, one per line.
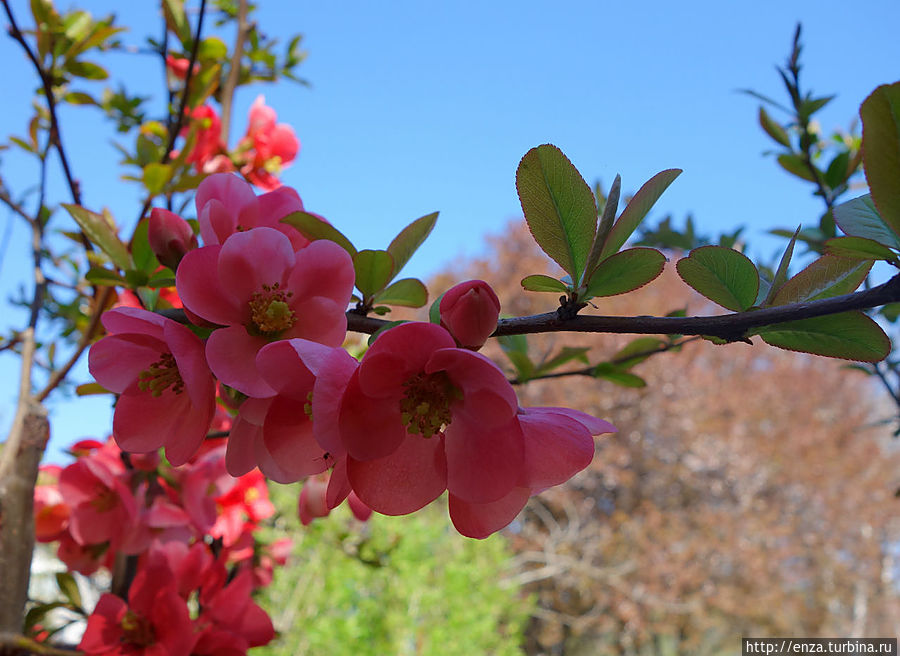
51	513
313	501
420	416
157	366
469	311
207	153
262	291
178	66
558	444
170	237
269	146
102	507
226	205
154	621
277	434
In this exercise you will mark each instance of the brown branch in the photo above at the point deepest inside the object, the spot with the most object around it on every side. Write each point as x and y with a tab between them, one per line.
14	643
234	73
731	327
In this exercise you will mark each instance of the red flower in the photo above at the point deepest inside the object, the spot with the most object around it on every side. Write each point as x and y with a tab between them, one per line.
170	237
157	366
154	621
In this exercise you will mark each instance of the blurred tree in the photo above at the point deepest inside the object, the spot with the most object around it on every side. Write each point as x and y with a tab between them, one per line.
392	585
747	493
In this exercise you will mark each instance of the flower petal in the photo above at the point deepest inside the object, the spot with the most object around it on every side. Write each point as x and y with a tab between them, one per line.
482	465
251	259
323	269
231	354
197	281
556	447
414	475
370	428
117	360
479	520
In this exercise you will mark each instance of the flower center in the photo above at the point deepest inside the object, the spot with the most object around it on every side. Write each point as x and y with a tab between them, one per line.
425	406
269	311
103	499
137	629
161	375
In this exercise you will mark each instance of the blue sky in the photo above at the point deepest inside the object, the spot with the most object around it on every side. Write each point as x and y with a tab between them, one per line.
423	106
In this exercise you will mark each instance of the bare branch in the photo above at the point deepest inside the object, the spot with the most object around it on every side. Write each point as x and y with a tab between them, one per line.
234	73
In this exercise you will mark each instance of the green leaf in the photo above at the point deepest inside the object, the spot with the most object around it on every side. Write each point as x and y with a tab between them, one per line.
795	165
373	271
100	231
636	351
781	275
827	276
141	253
212	48
612	373
890	311
410	238
165	277
177	20
625	271
541	283
880	114
90	389
79	98
859	248
773	129
69	588
607	220
156	176
566	354
516	349
408	292
637	208
722	275
849	335
313	228
37	613
838	169
87	70
434	310
559	207
859	218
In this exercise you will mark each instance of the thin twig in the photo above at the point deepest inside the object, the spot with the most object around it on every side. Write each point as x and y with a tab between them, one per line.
84	341
23	645
47	85
182	105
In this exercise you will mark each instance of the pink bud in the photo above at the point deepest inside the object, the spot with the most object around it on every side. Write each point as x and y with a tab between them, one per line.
170	237
469	311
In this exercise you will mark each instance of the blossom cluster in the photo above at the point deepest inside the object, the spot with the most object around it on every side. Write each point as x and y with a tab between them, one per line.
191	530
421	413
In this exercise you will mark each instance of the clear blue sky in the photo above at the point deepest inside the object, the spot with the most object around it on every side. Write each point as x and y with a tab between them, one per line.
423	106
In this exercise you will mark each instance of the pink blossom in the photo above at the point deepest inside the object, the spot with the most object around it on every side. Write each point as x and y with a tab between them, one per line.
277	433
262	291
226	205
102	507
170	237
154	621
469	312
269	146
51	513
420	416
157	366
207	154
558	444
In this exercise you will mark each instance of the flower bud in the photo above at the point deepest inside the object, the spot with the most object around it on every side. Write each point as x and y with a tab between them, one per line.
469	311
170	237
